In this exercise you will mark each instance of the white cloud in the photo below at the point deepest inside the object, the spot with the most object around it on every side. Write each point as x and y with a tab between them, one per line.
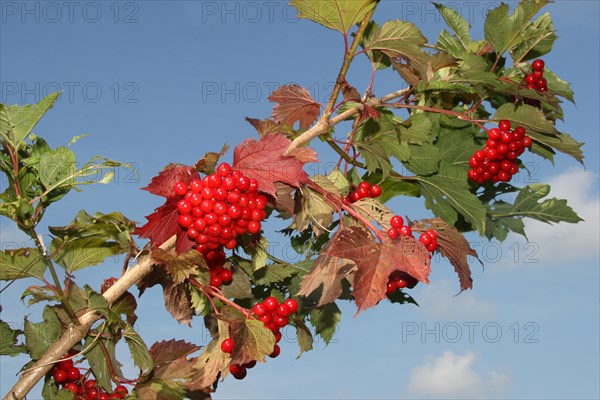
454	376
439	300
568	242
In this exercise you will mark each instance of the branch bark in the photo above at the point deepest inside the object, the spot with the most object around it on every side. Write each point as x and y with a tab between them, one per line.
75	333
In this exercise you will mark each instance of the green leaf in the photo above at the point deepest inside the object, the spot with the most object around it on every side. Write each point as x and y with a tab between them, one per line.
57	168
8	341
305	339
403	40
273	273
39	336
16	122
505	32
339	180
240	287
416	129
253	341
65	394
139	350
378	59
527	204
76	254
447	194
325	320
457	23
259	253
39	294
540	129
312	208
21	263
537	40
424	159
99	363
558	86
339	15
392	186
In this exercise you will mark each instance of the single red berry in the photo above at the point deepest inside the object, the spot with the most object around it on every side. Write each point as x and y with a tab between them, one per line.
494	134
292	305
431	233
207	205
393	233
230	245
216	281
504	176
60	376
538	65
121	390
512	155
532	86
473	163
227	346
215	181
355	196
491	154
472	176
238	371
491	144
254	227
401	283
502	149
542	89
260	309
276	351
224	169
266	318
406	231
103	396
283	310
479	155
243	183
65	365
530	78
91	384
250	364
211	218
542	83
397	221
92	394
196	185
278	336
364	185
280	321
507	137
261	202
425	239
73	374
226	276
184	207
180	189
504	125
390	288
432	246
538	74
376	191
72	387
364	192
271	303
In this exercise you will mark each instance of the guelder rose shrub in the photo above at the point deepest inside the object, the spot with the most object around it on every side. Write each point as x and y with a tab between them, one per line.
457	125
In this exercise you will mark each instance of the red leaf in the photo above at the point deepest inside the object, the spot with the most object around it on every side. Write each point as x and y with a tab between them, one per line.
452	245
264	161
295	104
164	182
165	352
162	224
376	261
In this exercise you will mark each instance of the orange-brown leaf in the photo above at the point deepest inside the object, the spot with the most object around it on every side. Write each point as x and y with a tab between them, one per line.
295	104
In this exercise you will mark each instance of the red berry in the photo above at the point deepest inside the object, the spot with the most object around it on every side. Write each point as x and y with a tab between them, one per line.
227	346
494	134
278	336
425	239
401	284
479	155
60	376
184	207
196	185
393	233
243	183
224	169
93	394
507	137
65	365
216	281
532	86
431	246
276	351
542	83
542	89
504	125
280	321
73	374
283	310
364	192
226	276
431	233
491	144
491	154
72	387
254	227
271	303
215	181
260	309
292	305
121	390
538	74
406	231
364	185
390	288
530	78
376	191
103	396
266	319
91	384
538	65
504	176
230	245
473	163
355	196
211	218
238	371
397	221
180	189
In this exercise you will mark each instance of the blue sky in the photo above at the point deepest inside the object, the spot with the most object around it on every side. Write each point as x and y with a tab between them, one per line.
156	82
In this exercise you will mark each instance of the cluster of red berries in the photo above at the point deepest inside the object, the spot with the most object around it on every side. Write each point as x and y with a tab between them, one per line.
429	239
215	210
497	161
364	190
535	80
399	280
398	228
274	316
70	378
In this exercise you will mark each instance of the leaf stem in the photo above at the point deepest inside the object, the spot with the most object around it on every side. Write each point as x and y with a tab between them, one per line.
61	294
